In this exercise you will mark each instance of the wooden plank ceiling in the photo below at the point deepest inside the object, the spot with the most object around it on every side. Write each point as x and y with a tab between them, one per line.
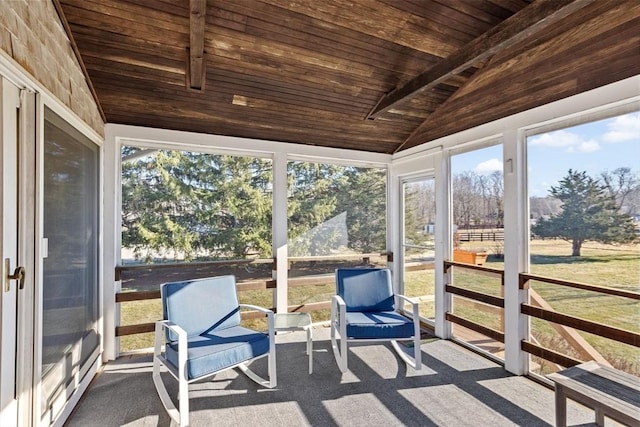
373	75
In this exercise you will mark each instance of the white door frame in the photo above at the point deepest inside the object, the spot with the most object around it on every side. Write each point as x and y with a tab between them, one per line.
424	176
18	185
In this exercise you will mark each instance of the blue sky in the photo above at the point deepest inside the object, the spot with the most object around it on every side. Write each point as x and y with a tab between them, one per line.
592	147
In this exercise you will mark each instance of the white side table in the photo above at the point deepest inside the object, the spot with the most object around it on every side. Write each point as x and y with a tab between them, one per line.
297	322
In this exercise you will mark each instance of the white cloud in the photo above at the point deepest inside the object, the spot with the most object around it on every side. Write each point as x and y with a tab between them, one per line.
489	166
561	138
624	128
585	147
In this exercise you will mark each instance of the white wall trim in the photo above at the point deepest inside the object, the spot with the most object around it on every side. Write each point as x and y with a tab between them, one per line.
151	137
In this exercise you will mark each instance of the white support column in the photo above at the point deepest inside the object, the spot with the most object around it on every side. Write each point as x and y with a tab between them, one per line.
443	300
516	243
279	224
394	218
110	242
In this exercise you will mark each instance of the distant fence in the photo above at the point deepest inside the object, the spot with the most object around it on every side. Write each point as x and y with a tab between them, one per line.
481	236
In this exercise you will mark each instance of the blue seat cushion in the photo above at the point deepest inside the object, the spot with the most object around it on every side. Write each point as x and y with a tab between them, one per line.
220	349
380	324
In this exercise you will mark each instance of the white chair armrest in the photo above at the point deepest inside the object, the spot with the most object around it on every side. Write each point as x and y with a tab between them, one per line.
256	308
182	347
338	301
338	308
338	312
407	299
414	311
271	325
167	324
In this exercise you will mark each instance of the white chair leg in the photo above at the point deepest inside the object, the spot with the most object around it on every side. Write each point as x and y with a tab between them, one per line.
340	354
183	379
273	375
157	379
271	360
273	372
417	353
416	361
183	396
310	348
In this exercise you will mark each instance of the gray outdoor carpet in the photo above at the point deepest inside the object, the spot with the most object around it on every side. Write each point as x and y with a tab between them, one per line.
456	387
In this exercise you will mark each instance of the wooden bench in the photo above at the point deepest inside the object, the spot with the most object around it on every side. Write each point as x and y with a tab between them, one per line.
608	391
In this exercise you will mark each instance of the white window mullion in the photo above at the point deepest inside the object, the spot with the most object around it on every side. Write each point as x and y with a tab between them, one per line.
279	223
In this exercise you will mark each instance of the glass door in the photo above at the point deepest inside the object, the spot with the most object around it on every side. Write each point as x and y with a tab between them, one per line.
70	337
418	243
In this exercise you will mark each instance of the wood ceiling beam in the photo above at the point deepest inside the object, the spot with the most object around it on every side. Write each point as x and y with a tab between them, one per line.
196	67
534	18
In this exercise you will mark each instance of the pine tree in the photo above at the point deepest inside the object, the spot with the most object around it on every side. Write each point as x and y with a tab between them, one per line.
589	212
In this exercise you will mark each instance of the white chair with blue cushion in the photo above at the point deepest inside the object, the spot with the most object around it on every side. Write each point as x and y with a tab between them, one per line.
202	336
364	309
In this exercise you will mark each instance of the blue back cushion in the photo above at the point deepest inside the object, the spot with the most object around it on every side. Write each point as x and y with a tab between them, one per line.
201	305
365	289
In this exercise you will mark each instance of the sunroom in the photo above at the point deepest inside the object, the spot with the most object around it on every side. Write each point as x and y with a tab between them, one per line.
485	152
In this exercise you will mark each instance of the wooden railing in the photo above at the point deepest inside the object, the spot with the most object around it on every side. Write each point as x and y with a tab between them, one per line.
248	285
481	297
573	322
566	325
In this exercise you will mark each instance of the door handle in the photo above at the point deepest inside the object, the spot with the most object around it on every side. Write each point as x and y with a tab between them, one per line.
18	274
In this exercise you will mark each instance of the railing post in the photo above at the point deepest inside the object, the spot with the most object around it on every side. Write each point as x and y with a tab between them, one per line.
516	325
444	245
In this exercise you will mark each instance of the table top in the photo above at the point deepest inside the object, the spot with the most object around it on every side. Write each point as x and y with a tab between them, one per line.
596	381
292	321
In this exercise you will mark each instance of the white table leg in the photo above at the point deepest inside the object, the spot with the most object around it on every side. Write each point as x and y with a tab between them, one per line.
310	349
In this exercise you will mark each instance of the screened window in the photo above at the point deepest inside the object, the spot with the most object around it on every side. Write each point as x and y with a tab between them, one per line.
584	207
477	192
187	215
336	218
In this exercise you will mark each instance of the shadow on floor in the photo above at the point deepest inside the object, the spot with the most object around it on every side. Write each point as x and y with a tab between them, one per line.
456	387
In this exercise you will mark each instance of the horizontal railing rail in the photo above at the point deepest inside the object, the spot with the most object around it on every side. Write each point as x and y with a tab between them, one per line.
366	258
476	327
548	354
525	278
188	265
489	270
252	285
595	328
428	247
476	296
548	314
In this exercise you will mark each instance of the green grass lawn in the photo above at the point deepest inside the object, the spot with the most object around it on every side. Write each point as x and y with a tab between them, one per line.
605	265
